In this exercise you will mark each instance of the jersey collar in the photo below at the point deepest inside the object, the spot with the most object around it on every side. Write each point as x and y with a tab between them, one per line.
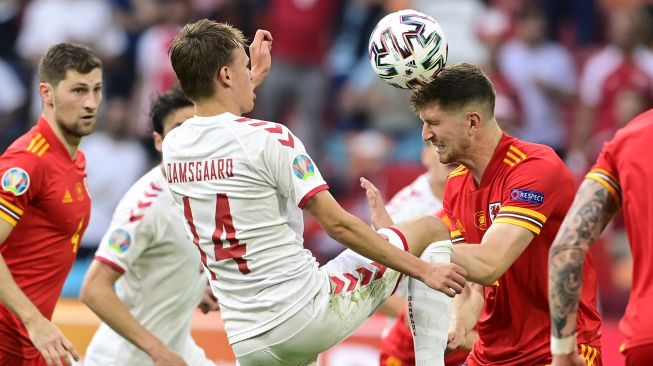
55	144
497	159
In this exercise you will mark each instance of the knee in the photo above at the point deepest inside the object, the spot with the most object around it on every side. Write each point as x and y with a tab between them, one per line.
438	251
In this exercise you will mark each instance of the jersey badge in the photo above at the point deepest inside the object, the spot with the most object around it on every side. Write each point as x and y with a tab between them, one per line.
120	240
80	191
16	181
493	209
525	195
303	167
480	221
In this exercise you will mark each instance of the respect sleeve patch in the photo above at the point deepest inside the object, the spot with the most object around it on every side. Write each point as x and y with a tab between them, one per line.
525	195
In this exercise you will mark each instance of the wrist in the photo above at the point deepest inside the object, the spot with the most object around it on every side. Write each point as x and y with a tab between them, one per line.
30	318
563	346
420	270
154	349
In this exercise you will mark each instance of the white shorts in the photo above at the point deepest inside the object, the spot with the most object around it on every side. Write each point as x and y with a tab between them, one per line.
355	289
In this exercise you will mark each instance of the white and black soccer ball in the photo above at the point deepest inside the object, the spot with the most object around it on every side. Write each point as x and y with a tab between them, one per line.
407	49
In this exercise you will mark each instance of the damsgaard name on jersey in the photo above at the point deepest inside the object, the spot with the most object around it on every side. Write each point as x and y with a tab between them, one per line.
196	171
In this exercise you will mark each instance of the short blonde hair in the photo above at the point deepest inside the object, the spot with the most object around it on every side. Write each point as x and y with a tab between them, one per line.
199	51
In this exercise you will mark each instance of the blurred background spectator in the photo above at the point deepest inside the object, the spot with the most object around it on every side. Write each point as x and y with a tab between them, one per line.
322	86
543	74
115	159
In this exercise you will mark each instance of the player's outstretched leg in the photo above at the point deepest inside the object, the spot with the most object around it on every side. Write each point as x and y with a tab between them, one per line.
429	311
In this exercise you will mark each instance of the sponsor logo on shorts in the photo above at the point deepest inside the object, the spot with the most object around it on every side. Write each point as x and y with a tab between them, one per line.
120	240
517	194
16	181
303	167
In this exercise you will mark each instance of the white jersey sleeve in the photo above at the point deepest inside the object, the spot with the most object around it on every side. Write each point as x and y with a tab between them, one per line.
291	169
240	184
130	231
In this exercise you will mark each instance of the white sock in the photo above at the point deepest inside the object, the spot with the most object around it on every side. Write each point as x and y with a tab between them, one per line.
429	311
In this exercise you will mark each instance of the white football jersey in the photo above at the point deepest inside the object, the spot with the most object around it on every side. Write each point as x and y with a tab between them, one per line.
162	281
414	200
241	184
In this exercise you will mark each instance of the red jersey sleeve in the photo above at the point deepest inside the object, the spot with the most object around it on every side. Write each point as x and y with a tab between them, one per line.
605	172
20	179
447	216
529	195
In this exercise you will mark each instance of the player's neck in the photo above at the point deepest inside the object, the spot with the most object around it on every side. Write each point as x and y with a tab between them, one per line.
214	107
437	187
70	142
484	148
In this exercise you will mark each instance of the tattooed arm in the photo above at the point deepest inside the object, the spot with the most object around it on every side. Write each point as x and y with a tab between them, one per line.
591	211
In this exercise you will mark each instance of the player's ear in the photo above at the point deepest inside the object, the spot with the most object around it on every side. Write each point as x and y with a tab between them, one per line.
224	76
46	91
158	141
474	121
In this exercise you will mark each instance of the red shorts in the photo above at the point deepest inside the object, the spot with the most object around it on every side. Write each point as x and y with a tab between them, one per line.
639	356
397	348
7	359
591	356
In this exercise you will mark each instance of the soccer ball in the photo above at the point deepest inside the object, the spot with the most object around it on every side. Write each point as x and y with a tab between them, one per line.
407	49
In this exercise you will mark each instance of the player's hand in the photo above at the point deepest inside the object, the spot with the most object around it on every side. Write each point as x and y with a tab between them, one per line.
168	358
572	359
208	302
378	214
259	53
447	278
53	345
455	338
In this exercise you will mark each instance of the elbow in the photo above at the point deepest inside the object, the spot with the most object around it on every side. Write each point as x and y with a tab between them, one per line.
90	293
86	294
344	228
338	230
486	275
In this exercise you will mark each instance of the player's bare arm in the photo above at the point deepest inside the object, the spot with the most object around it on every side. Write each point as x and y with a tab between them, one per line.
500	247
502	244
356	235
260	58
47	338
98	294
465	312
591	211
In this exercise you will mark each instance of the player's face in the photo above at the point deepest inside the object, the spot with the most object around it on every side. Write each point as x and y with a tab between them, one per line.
243	80
172	121
446	131
76	100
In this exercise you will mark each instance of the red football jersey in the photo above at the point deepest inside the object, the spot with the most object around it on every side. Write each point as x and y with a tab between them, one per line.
527	185
625	168
44	197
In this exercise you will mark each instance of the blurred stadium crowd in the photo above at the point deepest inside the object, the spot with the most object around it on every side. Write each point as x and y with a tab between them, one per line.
567	74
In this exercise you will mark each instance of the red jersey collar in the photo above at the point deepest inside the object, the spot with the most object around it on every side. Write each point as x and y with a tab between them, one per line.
497	158
56	144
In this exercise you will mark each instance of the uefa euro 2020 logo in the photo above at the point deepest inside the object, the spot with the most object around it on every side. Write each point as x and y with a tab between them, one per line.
120	240
16	181
303	167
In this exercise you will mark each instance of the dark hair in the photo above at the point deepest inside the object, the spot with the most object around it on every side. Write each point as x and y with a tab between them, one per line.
164	105
62	57
455	87
199	52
